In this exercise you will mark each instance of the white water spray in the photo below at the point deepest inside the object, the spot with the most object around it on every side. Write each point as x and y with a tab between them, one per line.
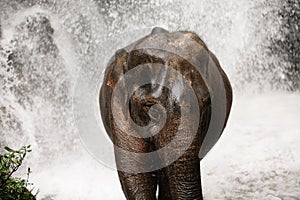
83	39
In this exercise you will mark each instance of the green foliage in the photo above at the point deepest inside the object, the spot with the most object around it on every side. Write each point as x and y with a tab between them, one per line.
12	188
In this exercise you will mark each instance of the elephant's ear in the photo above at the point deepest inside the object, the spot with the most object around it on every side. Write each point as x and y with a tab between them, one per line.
113	72
227	86
116	68
226	82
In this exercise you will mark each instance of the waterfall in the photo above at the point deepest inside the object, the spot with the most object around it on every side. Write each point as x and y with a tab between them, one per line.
53	54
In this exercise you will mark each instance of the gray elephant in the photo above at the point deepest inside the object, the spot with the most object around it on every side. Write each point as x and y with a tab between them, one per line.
162	85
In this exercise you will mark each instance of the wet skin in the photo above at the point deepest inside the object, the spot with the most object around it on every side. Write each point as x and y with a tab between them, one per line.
181	179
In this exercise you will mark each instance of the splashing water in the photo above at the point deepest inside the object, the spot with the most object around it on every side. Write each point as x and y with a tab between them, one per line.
49	47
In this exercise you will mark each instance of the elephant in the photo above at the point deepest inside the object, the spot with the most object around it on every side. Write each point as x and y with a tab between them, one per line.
162	85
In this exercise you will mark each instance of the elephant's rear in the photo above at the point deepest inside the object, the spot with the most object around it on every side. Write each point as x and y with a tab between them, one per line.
155	100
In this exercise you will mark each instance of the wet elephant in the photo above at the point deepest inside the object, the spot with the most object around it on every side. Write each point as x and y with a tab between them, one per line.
156	106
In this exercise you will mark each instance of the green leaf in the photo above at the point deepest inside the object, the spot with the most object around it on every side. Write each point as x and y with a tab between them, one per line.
14	187
9	149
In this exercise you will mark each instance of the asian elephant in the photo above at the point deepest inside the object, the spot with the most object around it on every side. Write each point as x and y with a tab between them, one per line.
162	85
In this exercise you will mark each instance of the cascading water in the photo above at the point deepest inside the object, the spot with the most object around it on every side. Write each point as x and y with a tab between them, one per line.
48	49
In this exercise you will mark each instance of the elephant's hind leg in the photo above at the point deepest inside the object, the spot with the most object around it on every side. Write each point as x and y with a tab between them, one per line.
184	179
181	179
164	192
136	186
